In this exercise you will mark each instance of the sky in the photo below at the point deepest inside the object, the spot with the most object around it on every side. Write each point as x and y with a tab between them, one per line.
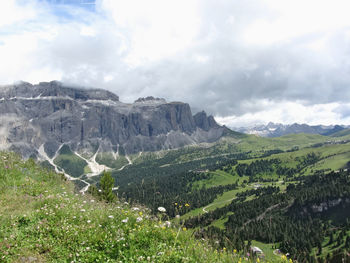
245	62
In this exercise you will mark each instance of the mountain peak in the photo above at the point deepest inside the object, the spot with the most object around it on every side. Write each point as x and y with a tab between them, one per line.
51	114
55	89
278	129
150	99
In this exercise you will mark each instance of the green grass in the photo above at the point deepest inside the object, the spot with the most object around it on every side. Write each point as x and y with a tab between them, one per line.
71	163
333	156
220	223
329	249
341	133
224	199
87	169
221	201
218	178
109	160
47	165
41	217
247	143
267	250
228	196
334	163
255	143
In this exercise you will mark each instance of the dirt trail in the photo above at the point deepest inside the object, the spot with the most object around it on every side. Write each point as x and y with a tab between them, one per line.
129	163
221	202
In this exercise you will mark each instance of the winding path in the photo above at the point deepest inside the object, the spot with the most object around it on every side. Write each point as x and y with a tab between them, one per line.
221	202
129	163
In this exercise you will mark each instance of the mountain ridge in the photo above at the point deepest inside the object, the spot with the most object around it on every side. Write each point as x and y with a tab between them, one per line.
279	129
52	114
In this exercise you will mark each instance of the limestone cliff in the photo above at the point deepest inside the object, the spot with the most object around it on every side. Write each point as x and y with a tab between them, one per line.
52	114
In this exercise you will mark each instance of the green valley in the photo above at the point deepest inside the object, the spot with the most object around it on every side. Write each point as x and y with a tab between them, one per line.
225	191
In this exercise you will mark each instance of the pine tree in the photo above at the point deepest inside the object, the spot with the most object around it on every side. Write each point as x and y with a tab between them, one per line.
106	184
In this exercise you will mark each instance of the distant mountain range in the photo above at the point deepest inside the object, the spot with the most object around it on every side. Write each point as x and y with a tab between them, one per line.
278	129
41	118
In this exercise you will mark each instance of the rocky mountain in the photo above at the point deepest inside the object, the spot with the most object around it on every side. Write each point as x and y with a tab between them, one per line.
50	114
278	129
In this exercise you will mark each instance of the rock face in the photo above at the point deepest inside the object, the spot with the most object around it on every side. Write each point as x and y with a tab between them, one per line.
52	114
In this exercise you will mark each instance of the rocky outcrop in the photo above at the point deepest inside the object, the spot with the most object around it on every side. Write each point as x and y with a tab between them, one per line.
52	114
324	206
204	122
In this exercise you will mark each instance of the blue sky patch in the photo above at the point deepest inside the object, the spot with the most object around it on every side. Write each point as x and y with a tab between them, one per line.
67	9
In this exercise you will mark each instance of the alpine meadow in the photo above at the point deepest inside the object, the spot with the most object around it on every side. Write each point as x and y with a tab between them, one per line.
188	131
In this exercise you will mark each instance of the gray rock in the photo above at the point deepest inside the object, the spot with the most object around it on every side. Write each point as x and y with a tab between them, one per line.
51	114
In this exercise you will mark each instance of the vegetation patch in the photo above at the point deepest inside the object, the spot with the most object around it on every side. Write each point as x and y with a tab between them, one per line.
42	219
111	161
71	163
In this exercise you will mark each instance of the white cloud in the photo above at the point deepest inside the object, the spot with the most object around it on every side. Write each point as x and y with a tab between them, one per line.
21	58
156	28
246	61
295	18
289	112
12	12
87	31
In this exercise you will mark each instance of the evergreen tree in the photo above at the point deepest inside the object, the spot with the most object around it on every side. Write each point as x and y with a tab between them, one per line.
106	184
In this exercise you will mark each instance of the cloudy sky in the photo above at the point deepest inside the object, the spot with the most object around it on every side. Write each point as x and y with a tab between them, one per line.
245	62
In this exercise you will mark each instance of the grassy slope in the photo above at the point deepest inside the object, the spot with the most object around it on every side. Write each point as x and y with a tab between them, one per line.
74	165
341	133
333	156
254	143
71	163
42	218
58	210
109	160
218	178
326	151
247	143
232	144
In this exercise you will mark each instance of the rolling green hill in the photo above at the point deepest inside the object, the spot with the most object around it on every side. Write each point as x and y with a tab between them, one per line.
211	182
42	219
341	133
